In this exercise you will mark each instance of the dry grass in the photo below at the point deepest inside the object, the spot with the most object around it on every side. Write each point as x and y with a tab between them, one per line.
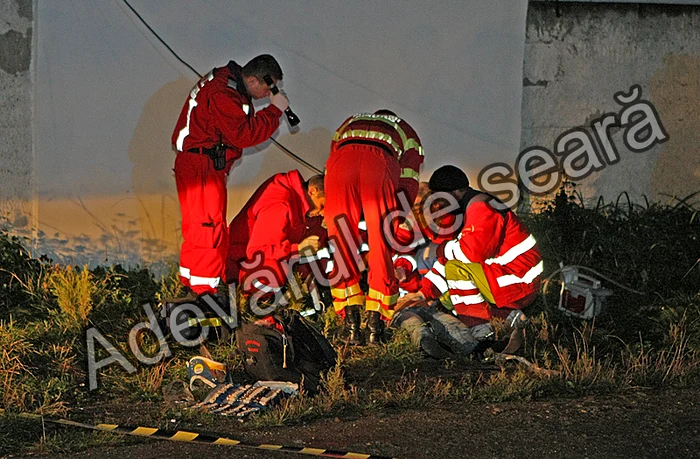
75	293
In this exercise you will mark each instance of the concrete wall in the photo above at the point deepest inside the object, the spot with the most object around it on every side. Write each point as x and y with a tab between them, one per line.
17	188
578	59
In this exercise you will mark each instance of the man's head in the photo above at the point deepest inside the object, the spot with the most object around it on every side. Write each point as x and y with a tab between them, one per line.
316	195
449	179
254	73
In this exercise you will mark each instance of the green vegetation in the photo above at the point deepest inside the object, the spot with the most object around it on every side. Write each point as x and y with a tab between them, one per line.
640	341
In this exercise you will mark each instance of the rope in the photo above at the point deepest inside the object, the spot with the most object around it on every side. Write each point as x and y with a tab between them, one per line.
155	34
195	437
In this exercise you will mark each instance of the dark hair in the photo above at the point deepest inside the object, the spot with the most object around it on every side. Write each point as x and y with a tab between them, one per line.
448	178
316	181
384	111
263	65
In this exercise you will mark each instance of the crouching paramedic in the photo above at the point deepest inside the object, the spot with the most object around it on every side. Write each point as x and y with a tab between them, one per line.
492	269
373	156
216	122
270	229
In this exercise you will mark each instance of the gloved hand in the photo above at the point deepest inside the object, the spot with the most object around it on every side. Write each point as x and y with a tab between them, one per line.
400	274
308	246
279	100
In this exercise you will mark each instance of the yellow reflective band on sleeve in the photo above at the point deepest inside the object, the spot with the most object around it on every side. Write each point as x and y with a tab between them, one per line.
413	143
374	135
392	121
410	173
184	436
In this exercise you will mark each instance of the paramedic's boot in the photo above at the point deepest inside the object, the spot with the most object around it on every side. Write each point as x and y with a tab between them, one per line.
352	323
375	324
516	321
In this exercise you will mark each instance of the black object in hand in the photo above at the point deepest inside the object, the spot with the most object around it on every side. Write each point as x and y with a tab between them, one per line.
291	116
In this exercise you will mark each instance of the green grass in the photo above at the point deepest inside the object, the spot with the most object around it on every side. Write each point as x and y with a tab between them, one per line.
640	342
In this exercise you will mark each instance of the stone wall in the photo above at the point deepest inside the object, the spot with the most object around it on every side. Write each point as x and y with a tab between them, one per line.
17	187
579	55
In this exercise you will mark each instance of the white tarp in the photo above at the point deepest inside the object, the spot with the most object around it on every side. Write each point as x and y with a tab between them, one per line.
108	95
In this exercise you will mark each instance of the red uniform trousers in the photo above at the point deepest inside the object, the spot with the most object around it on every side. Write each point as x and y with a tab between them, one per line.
361	180
202	194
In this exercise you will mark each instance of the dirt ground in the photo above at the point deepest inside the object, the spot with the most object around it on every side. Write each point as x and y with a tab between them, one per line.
639	425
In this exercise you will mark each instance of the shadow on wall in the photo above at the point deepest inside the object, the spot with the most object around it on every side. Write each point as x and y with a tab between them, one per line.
313	147
151	152
676	91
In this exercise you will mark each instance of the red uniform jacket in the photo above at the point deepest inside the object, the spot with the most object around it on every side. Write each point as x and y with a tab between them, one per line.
399	138
271	223
499	241
219	109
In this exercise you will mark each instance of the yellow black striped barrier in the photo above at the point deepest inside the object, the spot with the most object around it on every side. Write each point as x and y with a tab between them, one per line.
194	437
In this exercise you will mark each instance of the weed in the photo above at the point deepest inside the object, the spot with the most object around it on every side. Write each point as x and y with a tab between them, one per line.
75	293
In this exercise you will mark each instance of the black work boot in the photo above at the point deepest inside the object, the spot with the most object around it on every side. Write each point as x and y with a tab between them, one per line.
352	322
375	324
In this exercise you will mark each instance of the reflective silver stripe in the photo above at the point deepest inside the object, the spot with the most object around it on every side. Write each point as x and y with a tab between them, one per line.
185	272
513	252
212	282
407	172
528	278
437	281
413	143
467	299
362	225
185	131
440	268
402	292
264	288
364	247
414	264
329	267
374	135
454	252
461	284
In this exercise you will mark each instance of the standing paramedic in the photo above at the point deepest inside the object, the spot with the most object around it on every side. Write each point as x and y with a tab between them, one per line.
373	157
216	123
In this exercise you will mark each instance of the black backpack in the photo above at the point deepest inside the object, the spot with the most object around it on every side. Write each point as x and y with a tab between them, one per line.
300	353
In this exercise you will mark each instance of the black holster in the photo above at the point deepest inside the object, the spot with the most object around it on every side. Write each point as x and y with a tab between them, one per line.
218	155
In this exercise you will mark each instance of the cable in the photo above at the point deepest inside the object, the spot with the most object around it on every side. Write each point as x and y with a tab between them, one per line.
143	21
155	34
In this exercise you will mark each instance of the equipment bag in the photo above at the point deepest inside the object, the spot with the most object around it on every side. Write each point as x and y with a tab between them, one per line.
293	350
